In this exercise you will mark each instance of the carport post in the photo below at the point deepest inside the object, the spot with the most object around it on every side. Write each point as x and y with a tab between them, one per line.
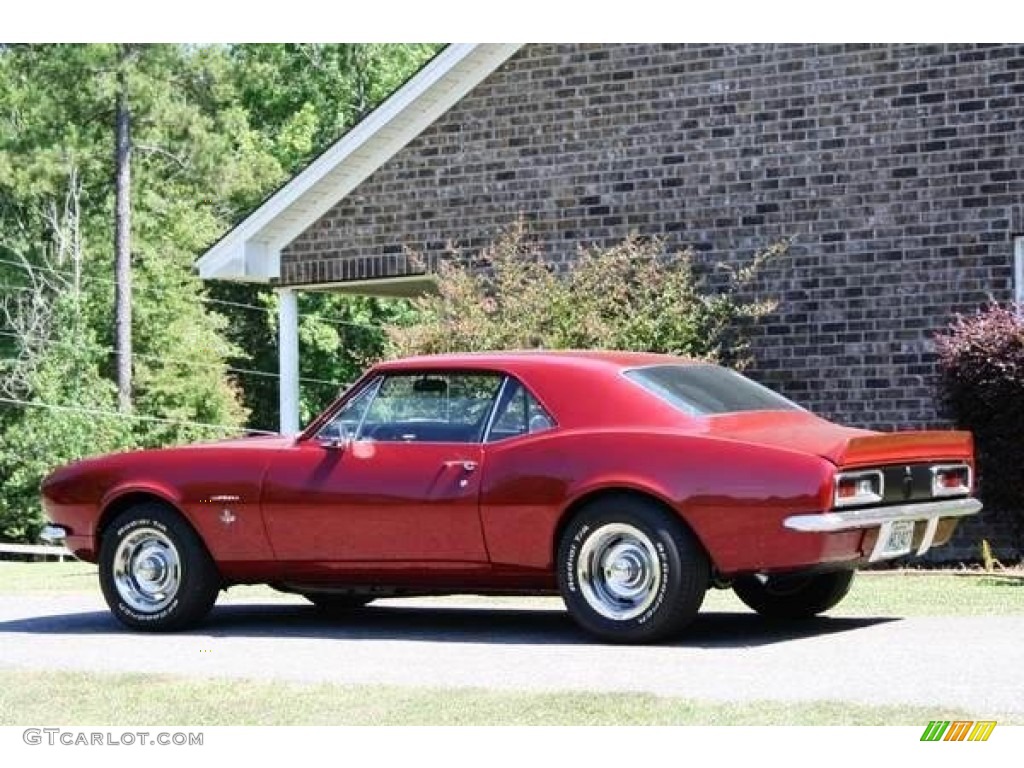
288	360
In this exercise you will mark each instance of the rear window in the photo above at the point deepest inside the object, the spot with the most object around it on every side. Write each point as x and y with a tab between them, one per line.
706	390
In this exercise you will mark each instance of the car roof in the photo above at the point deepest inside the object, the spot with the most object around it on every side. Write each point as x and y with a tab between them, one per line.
579	388
519	360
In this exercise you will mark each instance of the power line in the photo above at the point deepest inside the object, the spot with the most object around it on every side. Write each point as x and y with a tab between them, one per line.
207	299
100	412
194	363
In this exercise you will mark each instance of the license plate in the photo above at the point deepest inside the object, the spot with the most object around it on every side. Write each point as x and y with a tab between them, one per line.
894	539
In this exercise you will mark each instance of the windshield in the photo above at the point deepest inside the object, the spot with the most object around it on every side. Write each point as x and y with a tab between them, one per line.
706	390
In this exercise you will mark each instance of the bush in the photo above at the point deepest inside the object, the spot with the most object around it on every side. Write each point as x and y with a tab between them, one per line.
632	296
981	370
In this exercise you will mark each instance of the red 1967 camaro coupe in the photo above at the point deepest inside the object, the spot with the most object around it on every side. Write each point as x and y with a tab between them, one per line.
629	483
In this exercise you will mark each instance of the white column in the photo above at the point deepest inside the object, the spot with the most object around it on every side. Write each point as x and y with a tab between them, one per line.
288	360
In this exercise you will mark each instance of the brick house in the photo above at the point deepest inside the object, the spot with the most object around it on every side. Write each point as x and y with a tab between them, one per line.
896	169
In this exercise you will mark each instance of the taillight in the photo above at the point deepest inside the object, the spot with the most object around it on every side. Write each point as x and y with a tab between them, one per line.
951	480
859	488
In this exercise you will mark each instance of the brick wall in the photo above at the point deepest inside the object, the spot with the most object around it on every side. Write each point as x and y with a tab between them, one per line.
897	169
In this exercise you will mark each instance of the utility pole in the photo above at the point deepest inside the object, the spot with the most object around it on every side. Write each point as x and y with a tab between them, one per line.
123	238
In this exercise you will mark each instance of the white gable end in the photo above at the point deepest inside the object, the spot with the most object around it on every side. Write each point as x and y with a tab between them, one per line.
251	252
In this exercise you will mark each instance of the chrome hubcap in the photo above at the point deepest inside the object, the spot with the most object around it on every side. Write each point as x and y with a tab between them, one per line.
147	570
618	571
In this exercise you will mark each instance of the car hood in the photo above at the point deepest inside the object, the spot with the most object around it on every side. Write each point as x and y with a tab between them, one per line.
846	446
253	443
123	459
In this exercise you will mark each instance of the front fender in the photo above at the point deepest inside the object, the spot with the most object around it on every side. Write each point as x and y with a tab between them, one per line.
216	491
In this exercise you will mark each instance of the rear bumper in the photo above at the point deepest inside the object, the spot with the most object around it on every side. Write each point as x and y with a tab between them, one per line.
850	520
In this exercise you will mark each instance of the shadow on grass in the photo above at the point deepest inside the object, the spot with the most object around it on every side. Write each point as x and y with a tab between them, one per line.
448	625
1013	577
999	581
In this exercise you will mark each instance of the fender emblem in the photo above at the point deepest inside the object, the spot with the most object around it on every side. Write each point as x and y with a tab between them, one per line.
227	517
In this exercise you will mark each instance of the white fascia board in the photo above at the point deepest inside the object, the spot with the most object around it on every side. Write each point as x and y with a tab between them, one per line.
261	262
244	262
325	181
225	261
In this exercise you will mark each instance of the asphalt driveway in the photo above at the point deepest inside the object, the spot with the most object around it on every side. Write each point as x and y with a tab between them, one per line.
974	663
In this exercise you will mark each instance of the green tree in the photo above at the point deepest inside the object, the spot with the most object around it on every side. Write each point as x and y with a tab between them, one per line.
56	141
302	97
214	130
44	437
58	105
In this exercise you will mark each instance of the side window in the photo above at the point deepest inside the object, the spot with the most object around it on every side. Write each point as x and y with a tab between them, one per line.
518	414
346	421
431	407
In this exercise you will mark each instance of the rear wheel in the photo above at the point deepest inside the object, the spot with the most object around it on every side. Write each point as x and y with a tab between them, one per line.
797	595
630	572
155	572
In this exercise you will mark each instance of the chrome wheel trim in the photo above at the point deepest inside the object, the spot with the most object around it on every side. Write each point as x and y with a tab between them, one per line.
147	570
619	571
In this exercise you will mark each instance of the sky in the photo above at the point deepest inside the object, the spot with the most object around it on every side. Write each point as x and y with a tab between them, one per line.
206	21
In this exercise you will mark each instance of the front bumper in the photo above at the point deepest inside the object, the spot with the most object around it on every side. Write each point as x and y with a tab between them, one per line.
875	517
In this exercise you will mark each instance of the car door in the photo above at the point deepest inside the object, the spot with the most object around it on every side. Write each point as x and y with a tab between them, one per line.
393	476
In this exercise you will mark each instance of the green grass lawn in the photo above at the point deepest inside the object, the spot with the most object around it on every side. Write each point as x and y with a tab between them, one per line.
38	698
874	593
20	578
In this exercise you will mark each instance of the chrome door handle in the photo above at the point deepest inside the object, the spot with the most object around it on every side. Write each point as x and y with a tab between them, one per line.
466	466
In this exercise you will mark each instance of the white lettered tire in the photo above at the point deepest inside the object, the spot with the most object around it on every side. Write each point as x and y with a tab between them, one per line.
630	571
155	572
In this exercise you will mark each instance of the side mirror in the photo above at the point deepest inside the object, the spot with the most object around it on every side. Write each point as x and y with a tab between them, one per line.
335	438
336	443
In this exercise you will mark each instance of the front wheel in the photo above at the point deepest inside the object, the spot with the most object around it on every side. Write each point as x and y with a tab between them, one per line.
630	572
155	572
793	595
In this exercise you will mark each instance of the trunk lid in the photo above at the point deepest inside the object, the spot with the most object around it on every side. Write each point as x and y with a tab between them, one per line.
843	446
898	447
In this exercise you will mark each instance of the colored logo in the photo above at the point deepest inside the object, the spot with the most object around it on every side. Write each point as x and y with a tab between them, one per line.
958	730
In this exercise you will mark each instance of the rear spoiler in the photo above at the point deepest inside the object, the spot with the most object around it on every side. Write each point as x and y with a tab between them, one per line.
896	447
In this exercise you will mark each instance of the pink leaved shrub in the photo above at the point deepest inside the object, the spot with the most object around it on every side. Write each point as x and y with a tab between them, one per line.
981	380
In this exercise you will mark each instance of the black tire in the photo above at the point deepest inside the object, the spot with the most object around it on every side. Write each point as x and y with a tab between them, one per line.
794	595
188	591
643	531
329	603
